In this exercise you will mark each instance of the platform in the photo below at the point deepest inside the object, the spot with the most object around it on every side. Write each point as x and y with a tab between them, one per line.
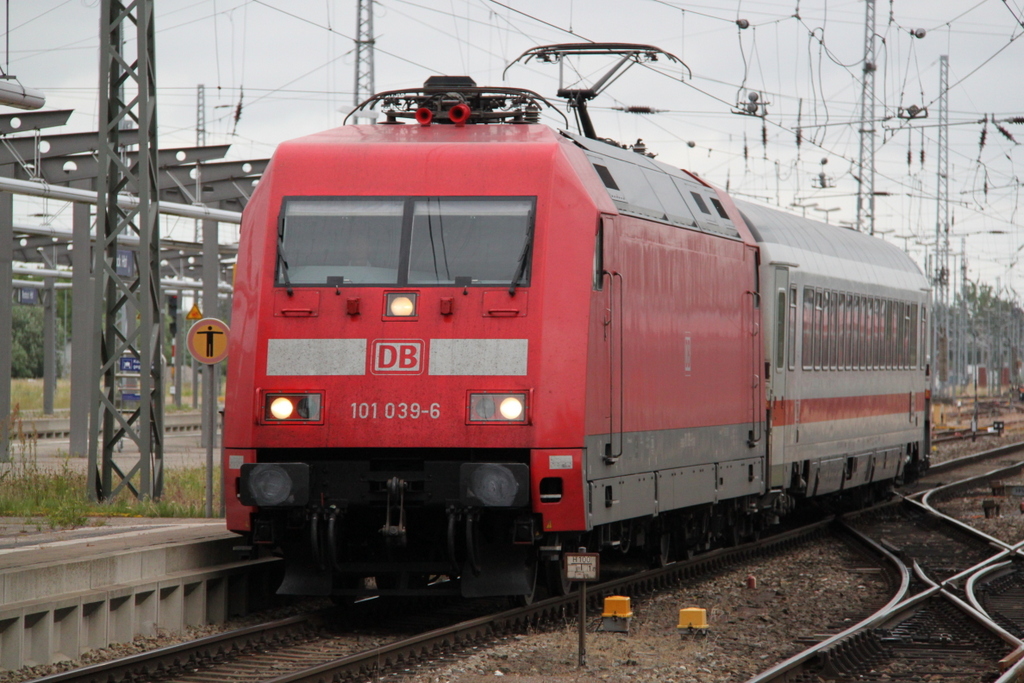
64	592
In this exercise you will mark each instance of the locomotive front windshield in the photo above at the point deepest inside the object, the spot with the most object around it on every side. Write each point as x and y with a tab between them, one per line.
460	241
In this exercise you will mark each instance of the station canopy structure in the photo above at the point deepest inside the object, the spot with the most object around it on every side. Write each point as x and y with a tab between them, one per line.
69	159
37	159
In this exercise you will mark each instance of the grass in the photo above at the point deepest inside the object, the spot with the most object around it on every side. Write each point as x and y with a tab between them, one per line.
59	496
27	394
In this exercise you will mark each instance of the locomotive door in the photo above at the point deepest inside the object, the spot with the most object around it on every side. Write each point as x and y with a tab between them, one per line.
612	283
781	342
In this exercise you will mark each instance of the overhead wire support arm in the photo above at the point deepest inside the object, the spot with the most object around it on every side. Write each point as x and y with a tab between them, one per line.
629	53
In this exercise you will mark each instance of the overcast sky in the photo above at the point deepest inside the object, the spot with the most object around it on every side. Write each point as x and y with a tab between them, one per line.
289	64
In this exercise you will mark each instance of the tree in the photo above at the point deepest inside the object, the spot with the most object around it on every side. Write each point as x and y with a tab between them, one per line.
27	341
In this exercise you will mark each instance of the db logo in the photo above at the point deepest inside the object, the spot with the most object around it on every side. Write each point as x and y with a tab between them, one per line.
403	356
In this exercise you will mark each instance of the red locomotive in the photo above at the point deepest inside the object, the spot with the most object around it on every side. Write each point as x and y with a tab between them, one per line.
467	342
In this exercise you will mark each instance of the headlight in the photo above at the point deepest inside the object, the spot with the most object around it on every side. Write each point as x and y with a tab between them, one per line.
497	408
274	484
511	408
401	305
291	408
494	484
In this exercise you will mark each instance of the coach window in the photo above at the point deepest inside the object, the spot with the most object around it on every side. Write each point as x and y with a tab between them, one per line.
851	318
844	334
858	332
819	336
904	337
780	330
792	327
848	333
892	309
807	324
883	334
872	346
913	336
894	338
923	357
909	326
833	338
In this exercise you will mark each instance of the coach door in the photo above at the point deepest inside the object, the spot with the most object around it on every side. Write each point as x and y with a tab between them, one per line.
782	309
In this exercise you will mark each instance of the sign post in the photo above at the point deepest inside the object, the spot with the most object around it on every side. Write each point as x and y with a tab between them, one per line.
207	341
582	567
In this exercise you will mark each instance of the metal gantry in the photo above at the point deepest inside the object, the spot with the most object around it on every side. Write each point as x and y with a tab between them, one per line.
127	101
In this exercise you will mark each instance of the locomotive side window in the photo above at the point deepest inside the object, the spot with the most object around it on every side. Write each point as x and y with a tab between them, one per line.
484	240
340	241
700	203
719	208
463	241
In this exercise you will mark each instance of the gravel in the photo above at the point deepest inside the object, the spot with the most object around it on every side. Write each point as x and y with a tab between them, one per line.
798	597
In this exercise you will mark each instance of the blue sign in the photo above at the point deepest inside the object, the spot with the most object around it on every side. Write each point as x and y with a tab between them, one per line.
28	296
125	264
128	364
131	397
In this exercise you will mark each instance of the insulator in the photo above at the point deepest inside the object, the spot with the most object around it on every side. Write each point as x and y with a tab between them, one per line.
1006	133
743	23
753	97
532	113
919	33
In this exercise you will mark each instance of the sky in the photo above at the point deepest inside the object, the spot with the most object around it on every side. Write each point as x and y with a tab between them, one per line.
278	69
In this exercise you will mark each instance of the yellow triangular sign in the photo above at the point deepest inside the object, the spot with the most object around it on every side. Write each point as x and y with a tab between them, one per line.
195	313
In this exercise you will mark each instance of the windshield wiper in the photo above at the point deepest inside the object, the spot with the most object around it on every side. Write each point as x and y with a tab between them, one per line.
283	263
524	258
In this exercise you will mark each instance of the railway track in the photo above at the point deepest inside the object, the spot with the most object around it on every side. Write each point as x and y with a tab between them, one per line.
958	615
310	648
315	648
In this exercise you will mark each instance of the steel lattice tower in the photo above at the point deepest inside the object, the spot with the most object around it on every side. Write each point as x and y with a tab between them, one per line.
127	100
866	176
940	305
363	85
